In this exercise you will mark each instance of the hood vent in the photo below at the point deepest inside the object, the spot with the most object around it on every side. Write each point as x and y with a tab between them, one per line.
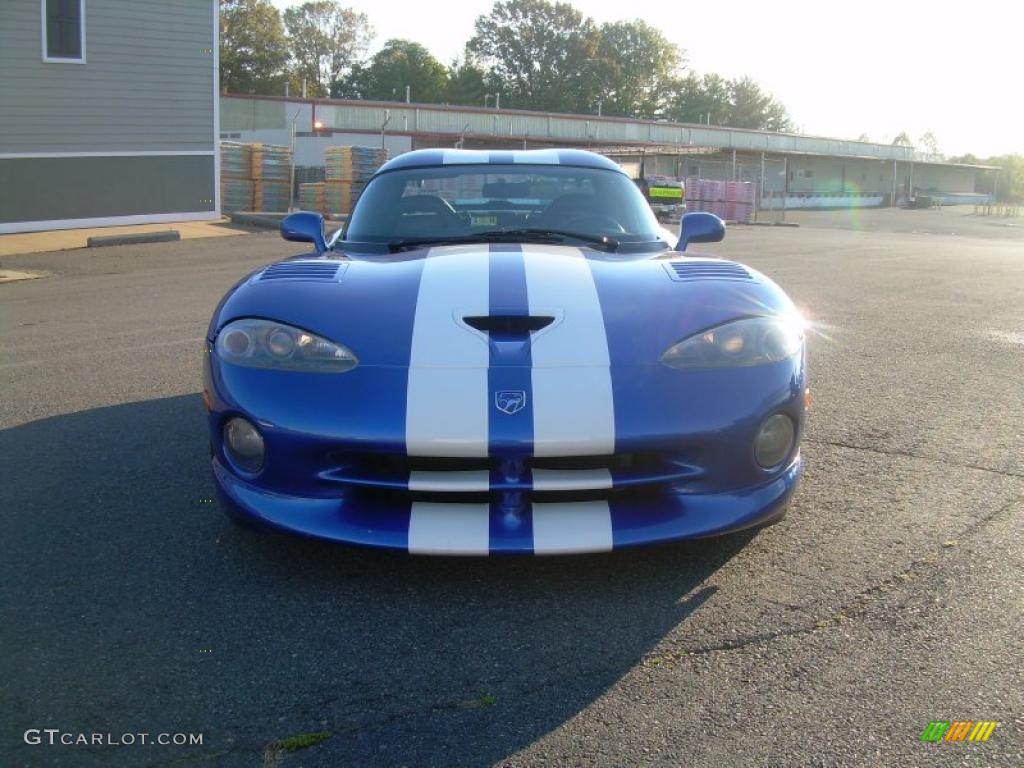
309	271
508	326
706	270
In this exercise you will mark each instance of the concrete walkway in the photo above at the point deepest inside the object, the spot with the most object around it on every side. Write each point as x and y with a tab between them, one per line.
64	239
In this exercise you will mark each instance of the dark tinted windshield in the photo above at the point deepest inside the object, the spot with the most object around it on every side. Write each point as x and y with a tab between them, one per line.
461	201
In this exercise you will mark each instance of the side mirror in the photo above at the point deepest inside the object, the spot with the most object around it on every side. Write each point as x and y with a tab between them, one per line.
305	227
700	227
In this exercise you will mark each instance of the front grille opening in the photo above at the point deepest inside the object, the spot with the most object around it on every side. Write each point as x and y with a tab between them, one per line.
397	463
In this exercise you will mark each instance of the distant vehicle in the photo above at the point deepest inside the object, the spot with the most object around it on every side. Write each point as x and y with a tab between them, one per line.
502	354
664	195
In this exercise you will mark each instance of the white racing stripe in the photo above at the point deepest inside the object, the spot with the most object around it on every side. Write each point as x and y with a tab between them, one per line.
571	479
458	481
545	156
577	526
454	157
573	407
447	397
449	529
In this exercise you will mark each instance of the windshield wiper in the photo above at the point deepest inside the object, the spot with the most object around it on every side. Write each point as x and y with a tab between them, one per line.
607	243
528	234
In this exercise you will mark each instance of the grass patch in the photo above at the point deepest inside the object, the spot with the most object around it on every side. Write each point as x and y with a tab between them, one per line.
301	741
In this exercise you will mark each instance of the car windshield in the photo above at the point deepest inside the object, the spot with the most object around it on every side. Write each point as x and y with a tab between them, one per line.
467	203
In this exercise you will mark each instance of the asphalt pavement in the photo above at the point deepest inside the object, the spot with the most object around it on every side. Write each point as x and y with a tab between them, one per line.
890	595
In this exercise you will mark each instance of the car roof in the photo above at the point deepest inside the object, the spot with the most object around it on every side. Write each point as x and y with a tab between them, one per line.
431	158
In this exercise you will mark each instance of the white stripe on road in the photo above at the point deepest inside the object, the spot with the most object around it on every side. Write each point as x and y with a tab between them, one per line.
577	526
449	529
573	406
447	398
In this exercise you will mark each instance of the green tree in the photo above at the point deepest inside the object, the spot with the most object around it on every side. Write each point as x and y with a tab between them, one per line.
636	67
696	99
751	107
930	144
539	53
902	139
466	83
326	41
402	63
253	47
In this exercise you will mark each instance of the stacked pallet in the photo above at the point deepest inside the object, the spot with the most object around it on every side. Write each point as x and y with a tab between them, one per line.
340	196
311	196
730	200
271	174
346	171
235	160
254	177
271	162
236	186
353	163
270	195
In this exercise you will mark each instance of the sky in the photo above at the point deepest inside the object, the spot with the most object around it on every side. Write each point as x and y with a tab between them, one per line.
875	67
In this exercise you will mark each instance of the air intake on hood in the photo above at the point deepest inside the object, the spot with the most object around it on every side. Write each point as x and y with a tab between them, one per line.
508	326
317	271
706	270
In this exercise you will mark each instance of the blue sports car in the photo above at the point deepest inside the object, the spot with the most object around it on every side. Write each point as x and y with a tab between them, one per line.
503	352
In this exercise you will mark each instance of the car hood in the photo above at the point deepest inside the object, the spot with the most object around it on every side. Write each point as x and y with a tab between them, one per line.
482	305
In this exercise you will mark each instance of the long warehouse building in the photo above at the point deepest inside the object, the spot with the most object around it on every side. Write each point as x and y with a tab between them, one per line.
808	171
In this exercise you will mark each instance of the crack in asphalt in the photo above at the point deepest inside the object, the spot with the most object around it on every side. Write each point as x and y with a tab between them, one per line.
854	608
909	455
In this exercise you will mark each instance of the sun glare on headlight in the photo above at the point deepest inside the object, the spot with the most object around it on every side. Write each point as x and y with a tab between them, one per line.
750	341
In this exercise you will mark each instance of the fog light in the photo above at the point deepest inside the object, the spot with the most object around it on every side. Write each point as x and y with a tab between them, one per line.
774	440
243	445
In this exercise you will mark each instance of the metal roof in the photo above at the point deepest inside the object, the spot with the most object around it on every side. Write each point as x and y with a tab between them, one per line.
429	158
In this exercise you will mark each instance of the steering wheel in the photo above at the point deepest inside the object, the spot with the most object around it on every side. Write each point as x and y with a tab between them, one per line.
592	222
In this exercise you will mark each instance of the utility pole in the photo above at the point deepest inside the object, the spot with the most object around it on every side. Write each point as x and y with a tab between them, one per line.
892	202
291	173
497	101
387	119
408	94
785	185
760	190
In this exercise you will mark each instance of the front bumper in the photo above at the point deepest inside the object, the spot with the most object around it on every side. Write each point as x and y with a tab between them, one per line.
441	528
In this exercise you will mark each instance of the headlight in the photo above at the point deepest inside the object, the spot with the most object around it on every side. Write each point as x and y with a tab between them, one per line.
266	344
751	341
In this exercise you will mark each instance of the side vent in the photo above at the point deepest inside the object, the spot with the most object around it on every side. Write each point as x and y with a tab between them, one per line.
706	270
308	271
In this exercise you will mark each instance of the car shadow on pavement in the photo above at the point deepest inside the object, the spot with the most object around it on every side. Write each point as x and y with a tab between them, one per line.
137	607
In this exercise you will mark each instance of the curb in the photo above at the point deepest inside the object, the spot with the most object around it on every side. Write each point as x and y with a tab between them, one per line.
100	241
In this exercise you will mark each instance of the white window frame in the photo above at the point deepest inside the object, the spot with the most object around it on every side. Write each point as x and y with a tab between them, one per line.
81	34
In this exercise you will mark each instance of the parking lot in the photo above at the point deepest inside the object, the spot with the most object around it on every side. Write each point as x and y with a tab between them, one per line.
890	595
